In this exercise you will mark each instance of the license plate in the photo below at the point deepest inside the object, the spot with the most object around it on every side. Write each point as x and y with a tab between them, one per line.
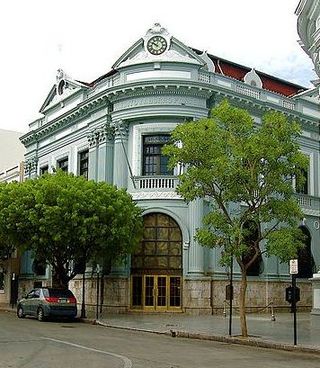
61	300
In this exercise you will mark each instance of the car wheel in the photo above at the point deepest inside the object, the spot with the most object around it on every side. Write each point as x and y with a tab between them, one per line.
20	312
40	314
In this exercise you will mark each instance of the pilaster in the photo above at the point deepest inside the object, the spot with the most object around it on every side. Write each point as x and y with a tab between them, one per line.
196	251
101	142
120	167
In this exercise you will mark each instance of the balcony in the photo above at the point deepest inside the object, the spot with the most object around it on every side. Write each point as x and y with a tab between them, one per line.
152	183
309	204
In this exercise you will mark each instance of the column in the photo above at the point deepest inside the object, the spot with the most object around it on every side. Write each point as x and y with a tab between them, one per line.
105	154
101	142
196	251
120	167
93	139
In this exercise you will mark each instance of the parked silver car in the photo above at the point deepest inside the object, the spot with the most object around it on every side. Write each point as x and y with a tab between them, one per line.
48	302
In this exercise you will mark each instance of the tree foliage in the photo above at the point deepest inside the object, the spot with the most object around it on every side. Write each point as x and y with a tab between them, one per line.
244	170
66	221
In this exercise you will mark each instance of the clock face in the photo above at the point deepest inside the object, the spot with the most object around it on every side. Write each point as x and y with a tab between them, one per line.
156	45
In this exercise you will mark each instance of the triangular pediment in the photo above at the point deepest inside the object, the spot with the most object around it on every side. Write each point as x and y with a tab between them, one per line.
63	88
173	50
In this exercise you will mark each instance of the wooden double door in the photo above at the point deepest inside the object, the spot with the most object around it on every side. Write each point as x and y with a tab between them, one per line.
156	292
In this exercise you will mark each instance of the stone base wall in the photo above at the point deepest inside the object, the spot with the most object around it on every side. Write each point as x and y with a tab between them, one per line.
115	294
200	296
205	296
197	296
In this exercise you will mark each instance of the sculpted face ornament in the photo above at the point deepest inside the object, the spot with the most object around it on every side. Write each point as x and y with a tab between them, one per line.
157	45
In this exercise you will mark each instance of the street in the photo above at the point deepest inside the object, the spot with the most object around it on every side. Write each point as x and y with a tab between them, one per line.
28	343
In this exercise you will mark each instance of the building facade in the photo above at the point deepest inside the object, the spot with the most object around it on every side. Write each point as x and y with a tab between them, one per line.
308	12
11	169
113	129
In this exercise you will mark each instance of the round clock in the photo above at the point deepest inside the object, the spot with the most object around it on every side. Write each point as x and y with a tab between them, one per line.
156	45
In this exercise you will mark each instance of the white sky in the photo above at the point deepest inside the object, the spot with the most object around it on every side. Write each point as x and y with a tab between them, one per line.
85	38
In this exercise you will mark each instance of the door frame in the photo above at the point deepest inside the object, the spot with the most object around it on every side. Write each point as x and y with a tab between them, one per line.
155	292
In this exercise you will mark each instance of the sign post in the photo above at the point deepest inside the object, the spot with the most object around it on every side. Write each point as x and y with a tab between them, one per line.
293	273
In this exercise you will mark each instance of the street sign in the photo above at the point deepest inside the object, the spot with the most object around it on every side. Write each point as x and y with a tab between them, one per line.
293	266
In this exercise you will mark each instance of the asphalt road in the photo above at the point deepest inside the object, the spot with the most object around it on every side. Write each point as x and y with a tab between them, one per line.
28	343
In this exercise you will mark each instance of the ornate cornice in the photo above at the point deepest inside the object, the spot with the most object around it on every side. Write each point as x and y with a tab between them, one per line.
156	88
73	115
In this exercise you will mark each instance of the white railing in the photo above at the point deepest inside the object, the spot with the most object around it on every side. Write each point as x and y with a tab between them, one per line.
288	104
309	202
156	182
245	90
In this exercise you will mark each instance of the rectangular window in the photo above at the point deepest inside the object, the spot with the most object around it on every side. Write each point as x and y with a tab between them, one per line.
154	162
304	188
83	159
44	169
63	164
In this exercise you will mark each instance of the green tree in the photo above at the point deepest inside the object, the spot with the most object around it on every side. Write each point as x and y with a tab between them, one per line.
6	246
67	221
244	170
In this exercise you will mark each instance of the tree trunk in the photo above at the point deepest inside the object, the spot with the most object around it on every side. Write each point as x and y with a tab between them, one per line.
242	304
59	280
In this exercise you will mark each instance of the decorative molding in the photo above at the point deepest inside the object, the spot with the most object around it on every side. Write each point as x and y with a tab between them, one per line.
253	79
158	100
154	195
101	134
121	129
209	63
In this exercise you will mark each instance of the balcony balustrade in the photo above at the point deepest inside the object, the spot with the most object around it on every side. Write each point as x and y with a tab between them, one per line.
163	183
307	202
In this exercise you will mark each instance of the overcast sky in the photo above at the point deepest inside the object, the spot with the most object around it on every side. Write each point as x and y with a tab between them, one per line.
86	37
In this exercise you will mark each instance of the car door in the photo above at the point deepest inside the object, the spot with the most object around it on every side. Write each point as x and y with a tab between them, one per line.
34	301
27	302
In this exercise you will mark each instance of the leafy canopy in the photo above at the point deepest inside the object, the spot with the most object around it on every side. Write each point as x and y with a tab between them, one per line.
64	220
245	172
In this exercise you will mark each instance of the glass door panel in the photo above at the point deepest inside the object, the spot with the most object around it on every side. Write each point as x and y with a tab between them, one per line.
175	292
161	291
149	290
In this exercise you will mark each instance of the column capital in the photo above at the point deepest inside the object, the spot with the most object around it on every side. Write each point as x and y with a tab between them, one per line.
101	134
30	166
121	128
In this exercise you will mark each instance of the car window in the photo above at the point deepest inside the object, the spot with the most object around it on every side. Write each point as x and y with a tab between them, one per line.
58	293
36	294
30	294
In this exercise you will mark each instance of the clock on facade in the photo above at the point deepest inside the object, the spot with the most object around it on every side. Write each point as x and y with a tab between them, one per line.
156	45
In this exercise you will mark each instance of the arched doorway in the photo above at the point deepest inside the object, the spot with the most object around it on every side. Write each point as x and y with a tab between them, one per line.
305	259
156	265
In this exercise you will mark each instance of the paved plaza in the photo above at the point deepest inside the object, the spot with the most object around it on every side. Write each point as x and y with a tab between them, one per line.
260	326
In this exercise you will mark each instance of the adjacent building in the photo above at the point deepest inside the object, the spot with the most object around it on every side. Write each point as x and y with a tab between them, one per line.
308	12
11	169
113	129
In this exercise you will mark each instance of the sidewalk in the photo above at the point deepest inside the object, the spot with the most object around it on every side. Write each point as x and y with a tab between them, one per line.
263	332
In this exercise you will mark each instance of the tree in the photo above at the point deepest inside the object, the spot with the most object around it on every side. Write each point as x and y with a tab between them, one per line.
245	172
67	221
6	246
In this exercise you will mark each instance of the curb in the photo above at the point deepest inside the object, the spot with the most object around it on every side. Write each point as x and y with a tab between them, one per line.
219	338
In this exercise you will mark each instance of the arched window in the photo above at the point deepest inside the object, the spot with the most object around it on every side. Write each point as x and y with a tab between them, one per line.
305	259
160	250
